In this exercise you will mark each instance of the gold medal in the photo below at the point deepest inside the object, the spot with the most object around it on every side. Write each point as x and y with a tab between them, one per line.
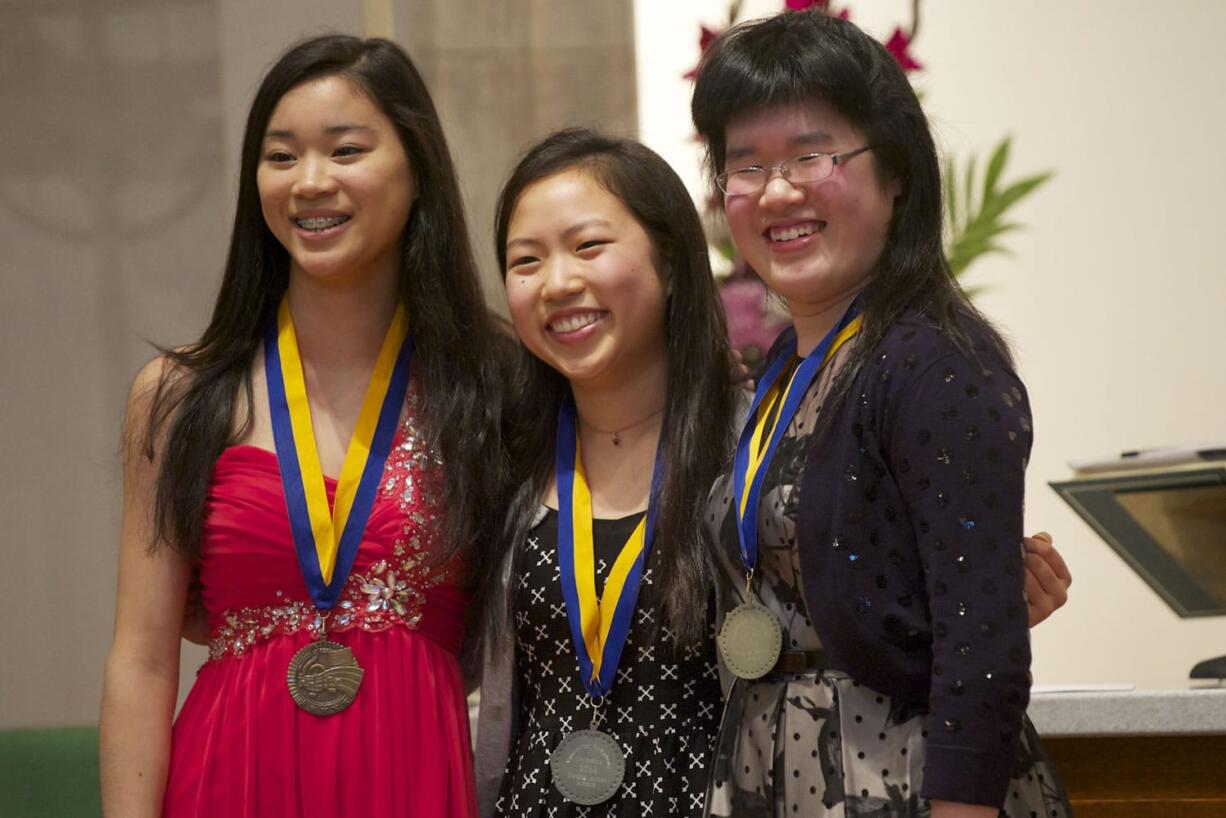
323	678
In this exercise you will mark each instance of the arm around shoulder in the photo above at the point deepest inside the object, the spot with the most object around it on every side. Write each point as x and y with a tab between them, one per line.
142	669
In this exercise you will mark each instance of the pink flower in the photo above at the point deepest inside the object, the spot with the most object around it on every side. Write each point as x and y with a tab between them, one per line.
751	327
898	46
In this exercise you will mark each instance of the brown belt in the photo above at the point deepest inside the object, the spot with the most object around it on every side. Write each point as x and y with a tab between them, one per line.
801	661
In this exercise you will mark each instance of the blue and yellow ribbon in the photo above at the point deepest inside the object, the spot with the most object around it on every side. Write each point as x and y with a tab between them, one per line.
775	403
327	537
599	628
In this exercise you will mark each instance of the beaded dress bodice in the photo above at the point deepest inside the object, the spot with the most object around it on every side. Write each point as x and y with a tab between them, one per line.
252	592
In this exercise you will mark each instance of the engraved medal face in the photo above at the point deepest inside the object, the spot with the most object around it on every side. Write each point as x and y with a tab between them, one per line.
750	640
323	678
588	767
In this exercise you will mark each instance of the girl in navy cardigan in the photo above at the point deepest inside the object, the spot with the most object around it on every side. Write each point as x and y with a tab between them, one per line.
869	528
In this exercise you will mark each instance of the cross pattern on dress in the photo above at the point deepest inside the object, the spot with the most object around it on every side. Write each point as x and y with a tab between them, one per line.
643	712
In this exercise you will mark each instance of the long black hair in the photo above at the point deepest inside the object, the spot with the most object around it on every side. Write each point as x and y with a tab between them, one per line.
803	56
698	415
455	363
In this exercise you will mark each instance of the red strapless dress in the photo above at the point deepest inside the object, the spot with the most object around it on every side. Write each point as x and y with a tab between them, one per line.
241	748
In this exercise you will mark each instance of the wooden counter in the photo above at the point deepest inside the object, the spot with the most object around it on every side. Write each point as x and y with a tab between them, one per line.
1138	754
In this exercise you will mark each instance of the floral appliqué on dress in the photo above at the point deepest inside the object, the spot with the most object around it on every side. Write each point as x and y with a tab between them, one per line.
388	593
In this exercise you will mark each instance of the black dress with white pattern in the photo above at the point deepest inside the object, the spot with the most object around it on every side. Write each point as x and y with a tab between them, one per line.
663	710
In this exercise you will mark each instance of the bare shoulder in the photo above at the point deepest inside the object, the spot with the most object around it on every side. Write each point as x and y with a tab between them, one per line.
152	381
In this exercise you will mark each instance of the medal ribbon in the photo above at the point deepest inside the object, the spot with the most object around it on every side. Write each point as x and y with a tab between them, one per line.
598	628
774	405
327	539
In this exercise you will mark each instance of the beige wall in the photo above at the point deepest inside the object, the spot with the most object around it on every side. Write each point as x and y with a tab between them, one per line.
1114	299
111	218
118	164
506	72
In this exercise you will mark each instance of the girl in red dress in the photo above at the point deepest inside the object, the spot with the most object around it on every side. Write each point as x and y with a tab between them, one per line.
324	458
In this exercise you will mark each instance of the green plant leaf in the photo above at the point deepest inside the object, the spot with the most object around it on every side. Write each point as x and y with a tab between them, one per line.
968	252
976	228
1012	194
983	230
995	165
969	197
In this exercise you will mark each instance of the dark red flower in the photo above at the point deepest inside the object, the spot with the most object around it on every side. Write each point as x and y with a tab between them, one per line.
821	5
704	41
898	46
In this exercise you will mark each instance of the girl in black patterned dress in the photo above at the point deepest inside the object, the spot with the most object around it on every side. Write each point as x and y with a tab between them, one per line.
610	289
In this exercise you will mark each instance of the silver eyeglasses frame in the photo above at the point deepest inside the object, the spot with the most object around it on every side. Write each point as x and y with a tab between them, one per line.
814	172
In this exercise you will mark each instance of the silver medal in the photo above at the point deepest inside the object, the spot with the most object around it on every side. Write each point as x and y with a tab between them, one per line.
588	767
750	640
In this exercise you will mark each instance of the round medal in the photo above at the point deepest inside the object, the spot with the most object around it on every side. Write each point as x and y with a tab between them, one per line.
588	767
323	678
750	640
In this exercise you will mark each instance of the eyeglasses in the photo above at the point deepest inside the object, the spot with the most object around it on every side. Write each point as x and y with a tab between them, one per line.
811	167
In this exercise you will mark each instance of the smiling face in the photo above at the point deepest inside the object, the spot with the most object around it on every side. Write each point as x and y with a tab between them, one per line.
814	243
335	184
582	285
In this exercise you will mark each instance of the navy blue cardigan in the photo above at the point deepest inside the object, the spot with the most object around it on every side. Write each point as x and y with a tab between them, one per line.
910	539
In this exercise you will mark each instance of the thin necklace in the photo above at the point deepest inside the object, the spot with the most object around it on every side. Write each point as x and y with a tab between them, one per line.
616	433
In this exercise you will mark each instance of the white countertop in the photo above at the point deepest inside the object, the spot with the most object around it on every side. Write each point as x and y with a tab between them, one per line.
1177	710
